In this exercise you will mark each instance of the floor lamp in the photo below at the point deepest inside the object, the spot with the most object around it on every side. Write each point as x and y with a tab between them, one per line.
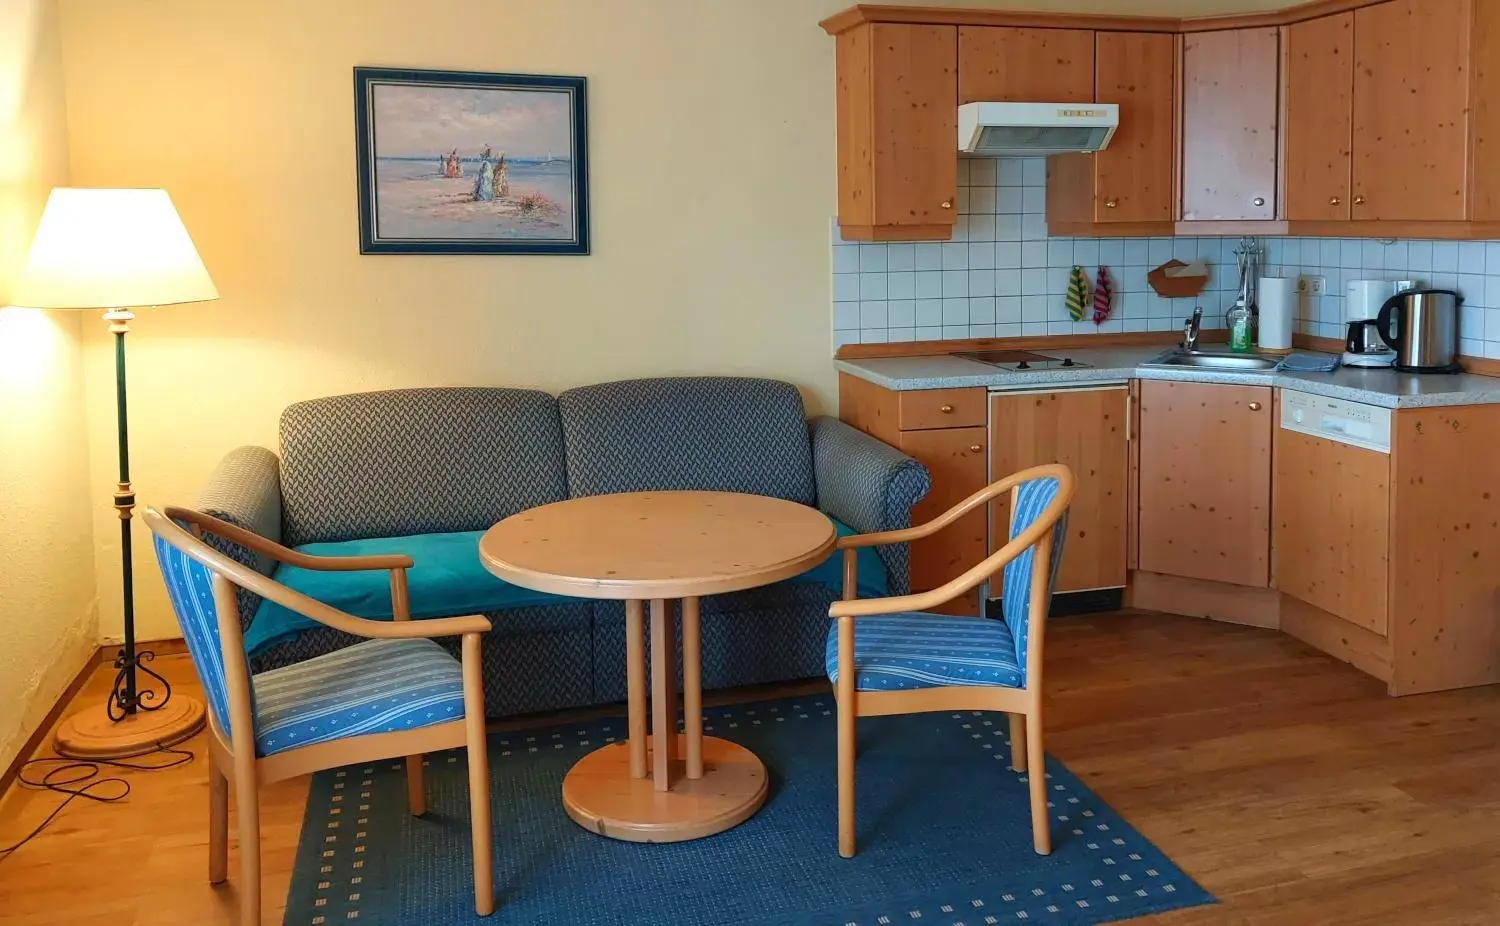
113	250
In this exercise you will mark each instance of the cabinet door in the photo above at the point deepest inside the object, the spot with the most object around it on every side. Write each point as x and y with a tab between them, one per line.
1229	82
1333	524
1411	110
999	64
1205	481
1133	176
954	458
897	93
1317	117
1084	429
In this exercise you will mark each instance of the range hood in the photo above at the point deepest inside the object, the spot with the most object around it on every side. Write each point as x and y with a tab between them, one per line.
1033	129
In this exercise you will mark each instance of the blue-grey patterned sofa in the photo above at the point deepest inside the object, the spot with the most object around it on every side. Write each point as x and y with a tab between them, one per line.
424	471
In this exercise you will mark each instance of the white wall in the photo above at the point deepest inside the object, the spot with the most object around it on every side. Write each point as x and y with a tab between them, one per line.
48	626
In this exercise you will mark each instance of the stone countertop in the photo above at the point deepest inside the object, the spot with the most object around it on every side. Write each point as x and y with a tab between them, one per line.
1382	387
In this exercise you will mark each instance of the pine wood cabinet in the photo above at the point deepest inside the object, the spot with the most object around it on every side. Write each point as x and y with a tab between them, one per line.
1317	119
1126	189
1411	110
1229	120
999	64
897	87
1205	481
1086	429
945	431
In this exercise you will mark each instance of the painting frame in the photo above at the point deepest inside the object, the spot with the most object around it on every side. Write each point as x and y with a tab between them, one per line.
371	241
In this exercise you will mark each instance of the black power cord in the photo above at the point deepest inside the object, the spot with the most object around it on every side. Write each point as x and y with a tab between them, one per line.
80	778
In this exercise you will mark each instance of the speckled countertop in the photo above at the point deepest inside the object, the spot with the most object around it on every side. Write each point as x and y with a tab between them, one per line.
1385	388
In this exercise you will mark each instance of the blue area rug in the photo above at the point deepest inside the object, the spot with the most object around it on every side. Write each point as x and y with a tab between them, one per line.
944	827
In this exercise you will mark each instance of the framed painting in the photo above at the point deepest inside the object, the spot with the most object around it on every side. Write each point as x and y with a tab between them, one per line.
454	162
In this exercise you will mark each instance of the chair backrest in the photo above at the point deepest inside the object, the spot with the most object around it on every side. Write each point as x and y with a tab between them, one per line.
1029	500
417	461
718	433
183	560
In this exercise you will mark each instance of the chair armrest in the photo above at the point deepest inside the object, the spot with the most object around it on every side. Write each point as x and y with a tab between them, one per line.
869	485
218	527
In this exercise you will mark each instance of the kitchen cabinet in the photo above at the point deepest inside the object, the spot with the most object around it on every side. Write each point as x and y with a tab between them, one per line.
1333	527
1205	481
1085	428
1229	119
1126	189
1411	110
945	431
1317	119
999	64
897	87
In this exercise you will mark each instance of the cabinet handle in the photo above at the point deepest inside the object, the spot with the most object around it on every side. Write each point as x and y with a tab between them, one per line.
946	409
947	204
1259	200
976	448
1334	201
1255	406
1359	200
1111	203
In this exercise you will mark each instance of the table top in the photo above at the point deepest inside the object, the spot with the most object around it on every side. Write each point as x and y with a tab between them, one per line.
643	545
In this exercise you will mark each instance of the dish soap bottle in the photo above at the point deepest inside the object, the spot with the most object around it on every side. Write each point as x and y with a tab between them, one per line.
1238	319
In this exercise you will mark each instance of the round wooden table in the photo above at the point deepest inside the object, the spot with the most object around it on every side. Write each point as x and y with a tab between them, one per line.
656	546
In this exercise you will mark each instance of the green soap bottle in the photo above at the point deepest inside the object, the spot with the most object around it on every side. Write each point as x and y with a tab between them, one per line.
1238	319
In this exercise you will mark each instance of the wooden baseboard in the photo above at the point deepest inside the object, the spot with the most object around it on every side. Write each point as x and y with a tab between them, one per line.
1366	651
1233	604
44	729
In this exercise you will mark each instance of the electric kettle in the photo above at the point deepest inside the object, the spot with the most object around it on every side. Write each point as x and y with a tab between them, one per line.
1421	326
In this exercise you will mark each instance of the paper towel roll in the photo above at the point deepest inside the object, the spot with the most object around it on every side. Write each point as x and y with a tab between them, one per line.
1278	304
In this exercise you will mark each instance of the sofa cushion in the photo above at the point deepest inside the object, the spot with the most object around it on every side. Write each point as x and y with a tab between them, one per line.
417	461
725	434
446	578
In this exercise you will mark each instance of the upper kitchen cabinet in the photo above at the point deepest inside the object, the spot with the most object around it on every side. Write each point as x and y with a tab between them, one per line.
1229	117
1126	189
897	102
1317	118
998	64
1411	110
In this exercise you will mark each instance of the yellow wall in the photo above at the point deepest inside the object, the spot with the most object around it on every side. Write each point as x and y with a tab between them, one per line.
48	625
712	181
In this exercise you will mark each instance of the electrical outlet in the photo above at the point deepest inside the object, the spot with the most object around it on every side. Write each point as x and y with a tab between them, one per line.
1312	286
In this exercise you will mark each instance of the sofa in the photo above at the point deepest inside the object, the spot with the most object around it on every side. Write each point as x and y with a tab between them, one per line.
426	471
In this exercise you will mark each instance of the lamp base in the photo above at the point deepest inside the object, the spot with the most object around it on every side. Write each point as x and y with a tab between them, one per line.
91	734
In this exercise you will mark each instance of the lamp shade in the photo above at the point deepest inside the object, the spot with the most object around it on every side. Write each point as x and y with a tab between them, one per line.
103	249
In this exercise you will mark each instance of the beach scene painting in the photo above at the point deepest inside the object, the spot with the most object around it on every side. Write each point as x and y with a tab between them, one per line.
460	162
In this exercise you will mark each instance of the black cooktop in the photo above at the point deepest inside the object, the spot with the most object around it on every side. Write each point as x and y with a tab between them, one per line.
1020	360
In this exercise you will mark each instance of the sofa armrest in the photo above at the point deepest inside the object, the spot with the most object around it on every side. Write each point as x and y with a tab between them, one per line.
245	490
870	486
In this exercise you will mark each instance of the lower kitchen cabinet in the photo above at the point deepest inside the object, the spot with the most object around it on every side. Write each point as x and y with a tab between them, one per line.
1085	428
1205	481
1333	527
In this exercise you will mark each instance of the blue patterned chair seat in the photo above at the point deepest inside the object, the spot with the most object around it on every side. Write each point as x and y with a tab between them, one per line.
379	686
916	650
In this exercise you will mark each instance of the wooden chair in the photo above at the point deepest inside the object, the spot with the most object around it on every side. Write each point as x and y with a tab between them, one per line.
904	662
396	694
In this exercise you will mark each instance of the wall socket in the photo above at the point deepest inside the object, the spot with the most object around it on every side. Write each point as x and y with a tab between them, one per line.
1312	286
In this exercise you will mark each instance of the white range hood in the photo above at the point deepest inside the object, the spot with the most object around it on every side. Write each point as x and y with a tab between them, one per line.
998	130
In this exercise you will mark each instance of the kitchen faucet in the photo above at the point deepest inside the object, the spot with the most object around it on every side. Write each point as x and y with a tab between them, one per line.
1190	328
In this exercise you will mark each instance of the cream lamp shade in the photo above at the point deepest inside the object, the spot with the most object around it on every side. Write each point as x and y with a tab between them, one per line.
105	249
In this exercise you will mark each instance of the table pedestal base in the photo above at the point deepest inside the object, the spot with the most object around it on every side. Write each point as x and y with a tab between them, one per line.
600	796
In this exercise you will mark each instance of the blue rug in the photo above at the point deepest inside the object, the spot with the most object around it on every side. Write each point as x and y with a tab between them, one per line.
944	827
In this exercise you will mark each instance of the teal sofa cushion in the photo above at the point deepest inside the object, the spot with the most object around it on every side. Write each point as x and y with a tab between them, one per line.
446	578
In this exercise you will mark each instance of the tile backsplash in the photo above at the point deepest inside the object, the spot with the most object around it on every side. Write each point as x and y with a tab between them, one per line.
1001	276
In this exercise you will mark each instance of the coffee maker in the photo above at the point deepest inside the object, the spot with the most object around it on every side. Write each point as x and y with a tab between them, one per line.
1363	346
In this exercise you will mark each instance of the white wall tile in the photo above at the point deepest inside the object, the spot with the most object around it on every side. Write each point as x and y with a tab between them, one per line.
846	287
1009	172
956	256
900	257
903	313
982	255
846	258
929	313
1444	257
873	315
929	255
1007	254
872	286
1471	257
955	312
981	311
902	285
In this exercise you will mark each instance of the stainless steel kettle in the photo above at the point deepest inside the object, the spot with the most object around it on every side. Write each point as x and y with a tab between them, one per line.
1421	326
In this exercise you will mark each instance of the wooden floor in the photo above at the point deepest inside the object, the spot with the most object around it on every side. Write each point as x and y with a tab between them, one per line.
1287	783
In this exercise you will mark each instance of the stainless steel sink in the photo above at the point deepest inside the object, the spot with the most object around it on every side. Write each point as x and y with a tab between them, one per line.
1215	361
